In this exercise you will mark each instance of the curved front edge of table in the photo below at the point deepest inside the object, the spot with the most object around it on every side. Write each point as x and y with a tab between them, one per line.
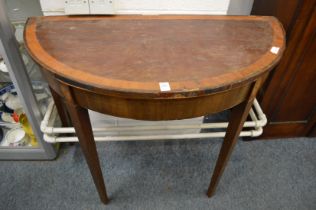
143	100
162	109
78	101
155	109
250	56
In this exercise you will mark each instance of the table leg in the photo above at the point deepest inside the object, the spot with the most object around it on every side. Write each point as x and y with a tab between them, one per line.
60	106
238	116
81	122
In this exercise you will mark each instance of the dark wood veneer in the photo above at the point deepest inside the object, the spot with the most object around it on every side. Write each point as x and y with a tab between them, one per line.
194	64
289	98
212	63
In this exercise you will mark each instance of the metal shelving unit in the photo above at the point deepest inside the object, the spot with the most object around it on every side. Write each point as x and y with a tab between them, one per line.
11	52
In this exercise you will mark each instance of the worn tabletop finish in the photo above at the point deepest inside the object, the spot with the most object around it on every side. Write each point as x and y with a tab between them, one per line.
115	64
195	54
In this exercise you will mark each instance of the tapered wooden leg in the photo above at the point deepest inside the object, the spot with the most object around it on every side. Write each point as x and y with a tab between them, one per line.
80	119
237	118
61	109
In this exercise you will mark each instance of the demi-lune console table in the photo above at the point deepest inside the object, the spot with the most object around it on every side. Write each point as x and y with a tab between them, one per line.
154	68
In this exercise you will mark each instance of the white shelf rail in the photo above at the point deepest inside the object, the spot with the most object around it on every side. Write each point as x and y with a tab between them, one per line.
61	134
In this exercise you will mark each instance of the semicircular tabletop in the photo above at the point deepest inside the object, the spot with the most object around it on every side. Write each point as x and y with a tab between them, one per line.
196	55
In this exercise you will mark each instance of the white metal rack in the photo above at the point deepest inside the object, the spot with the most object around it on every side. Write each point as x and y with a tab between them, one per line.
61	134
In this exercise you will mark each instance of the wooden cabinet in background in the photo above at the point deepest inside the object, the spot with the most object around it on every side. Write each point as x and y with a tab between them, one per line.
289	95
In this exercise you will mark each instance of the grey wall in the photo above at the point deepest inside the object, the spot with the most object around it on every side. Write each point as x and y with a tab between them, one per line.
239	7
20	10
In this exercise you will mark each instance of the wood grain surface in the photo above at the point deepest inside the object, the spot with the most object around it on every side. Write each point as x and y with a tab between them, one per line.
114	64
130	55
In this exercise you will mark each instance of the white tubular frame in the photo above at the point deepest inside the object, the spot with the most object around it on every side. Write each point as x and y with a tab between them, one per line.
52	134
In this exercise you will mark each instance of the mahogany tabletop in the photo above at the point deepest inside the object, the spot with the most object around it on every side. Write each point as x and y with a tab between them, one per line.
132	55
154	68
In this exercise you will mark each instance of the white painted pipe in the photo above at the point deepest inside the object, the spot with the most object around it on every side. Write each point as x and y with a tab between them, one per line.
261	116
62	130
257	124
252	133
44	124
254	118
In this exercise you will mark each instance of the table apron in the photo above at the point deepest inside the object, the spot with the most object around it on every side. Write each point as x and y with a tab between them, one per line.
154	109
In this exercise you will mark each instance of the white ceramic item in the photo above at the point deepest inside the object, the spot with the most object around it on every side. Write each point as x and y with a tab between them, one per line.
16	137
13	102
3	67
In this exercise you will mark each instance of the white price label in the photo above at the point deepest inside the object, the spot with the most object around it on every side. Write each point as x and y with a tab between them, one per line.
275	50
164	86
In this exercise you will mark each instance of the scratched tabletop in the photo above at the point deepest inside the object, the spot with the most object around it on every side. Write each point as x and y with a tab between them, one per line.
185	54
